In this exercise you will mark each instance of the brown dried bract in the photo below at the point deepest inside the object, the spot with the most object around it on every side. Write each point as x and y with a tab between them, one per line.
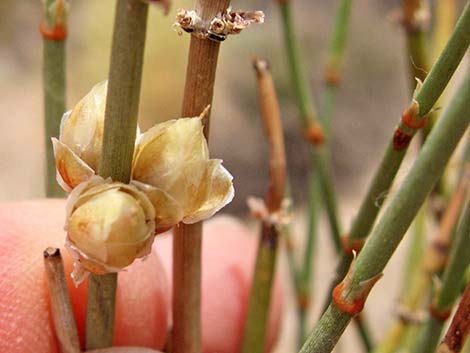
218	28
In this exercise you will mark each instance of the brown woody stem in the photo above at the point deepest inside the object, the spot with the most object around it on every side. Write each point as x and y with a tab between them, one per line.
61	308
260	295
459	329
187	241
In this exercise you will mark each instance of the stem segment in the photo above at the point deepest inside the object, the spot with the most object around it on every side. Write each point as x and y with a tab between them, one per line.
260	296
432	88
187	241
310	123
122	105
54	32
452	278
431	264
389	231
61	307
459	329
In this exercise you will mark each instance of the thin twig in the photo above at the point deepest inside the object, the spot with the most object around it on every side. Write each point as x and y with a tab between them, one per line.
61	307
350	295
187	240
431	263
260	295
445	16
459	328
450	287
54	32
120	128
310	122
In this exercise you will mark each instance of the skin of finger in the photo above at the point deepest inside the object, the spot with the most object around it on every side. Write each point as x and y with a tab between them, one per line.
228	257
124	350
26	229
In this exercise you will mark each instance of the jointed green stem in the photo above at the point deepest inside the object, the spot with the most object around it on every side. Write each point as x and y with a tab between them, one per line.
432	87
122	105
335	63
389	231
451	283
55	14
308	116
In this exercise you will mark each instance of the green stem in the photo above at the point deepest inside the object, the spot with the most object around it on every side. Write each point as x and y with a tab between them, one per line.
448	292
415	277
260	294
335	63
260	297
122	105
53	28
309	119
432	87
389	231
305	275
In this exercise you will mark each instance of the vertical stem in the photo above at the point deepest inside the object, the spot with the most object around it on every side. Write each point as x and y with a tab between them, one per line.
309	120
54	33
452	278
391	228
335	63
61	307
446	14
187	240
260	294
459	329
122	105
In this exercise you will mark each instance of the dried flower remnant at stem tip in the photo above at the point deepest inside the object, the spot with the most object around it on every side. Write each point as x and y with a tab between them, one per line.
219	27
54	25
349	297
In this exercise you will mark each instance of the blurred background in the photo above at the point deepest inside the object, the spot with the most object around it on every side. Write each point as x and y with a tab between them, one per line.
372	95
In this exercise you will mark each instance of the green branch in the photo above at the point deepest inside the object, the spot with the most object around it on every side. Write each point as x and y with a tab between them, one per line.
54	32
120	126
427	95
391	228
451	285
310	123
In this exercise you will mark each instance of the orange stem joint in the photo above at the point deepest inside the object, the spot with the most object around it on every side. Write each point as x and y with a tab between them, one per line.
411	121
54	27
55	33
350	298
350	246
439	314
314	134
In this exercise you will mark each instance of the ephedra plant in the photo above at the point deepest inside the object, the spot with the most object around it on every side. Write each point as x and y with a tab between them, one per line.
126	186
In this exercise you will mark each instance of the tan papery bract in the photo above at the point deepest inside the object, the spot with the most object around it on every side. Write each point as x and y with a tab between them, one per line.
174	157
108	226
173	180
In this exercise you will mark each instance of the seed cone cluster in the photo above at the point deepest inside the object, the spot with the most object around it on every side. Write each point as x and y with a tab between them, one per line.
110	224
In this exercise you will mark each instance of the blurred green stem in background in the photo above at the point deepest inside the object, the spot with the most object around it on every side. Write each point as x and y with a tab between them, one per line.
320	178
120	126
54	32
310	123
398	216
451	285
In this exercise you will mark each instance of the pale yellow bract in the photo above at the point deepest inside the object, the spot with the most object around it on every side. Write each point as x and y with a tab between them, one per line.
173	180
